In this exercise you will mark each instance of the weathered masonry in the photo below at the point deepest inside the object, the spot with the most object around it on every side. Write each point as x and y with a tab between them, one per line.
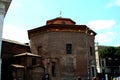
67	49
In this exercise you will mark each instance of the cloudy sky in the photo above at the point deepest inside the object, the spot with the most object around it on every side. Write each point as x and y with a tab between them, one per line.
103	16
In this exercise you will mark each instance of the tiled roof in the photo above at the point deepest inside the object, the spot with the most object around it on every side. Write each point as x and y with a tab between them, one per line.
60	18
49	28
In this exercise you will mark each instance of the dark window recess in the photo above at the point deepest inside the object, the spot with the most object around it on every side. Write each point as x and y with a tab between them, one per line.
79	78
39	49
68	48
33	61
91	52
53	69
93	74
103	63
18	61
103	70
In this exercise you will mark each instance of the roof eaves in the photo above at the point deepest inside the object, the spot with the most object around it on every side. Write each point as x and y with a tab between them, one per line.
17	66
27	54
14	42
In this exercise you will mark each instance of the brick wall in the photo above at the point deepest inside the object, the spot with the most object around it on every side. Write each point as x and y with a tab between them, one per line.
53	45
8	50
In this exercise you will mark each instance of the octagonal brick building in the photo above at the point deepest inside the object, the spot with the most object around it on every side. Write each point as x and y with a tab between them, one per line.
67	49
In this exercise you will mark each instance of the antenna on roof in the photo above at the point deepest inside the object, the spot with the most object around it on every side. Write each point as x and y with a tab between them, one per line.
60	13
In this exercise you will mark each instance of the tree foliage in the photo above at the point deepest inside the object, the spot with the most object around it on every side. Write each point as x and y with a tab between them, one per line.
117	53
110	52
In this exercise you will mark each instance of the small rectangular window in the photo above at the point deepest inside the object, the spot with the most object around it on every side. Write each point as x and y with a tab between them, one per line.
33	61
103	63
53	69
93	73
91	52
68	48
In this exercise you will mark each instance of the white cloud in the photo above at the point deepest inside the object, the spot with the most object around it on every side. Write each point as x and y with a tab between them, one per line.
101	24
113	3
104	38
13	33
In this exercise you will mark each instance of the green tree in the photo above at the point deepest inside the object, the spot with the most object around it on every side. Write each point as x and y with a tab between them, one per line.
117	53
112	57
107	52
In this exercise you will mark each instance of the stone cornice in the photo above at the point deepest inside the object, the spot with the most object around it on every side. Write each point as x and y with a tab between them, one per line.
61	28
7	4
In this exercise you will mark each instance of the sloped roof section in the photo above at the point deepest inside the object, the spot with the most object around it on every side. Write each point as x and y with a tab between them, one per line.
27	54
17	66
60	20
60	24
14	42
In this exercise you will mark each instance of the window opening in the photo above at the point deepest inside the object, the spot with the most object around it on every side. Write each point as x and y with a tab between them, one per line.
68	48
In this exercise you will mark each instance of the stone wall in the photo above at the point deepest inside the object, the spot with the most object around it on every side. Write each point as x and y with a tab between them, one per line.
52	45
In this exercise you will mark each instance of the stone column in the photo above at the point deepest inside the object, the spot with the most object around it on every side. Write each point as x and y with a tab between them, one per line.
2	13
4	5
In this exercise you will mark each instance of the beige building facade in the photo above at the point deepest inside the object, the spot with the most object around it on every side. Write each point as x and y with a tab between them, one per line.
67	49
